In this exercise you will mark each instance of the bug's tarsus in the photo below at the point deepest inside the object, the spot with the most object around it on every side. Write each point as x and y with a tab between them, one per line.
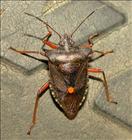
90	39
44	23
36	37
29	131
92	36
33	36
90	42
114	102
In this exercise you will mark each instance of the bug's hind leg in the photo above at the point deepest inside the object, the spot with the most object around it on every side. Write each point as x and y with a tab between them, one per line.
41	91
97	70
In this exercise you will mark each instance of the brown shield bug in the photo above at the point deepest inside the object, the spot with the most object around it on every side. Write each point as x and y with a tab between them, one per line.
68	69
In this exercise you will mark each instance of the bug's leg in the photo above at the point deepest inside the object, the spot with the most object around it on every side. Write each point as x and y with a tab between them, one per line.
90	42
101	54
26	52
41	91
45	39
97	70
30	56
47	36
49	43
40	38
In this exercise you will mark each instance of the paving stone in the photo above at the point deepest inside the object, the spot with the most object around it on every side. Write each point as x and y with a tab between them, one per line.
121	89
11	93
15	23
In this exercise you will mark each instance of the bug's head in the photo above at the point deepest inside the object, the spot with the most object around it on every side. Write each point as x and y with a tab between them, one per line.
66	42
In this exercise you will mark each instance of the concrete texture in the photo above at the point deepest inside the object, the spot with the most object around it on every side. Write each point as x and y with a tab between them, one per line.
120	88
119	62
18	93
17	23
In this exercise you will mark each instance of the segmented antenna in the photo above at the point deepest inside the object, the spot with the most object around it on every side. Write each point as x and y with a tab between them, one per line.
85	19
43	23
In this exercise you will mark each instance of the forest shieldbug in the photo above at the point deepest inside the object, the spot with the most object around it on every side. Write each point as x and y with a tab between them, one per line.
68	70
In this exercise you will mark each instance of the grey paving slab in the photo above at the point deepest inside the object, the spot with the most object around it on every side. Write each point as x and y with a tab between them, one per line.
11	93
121	89
64	19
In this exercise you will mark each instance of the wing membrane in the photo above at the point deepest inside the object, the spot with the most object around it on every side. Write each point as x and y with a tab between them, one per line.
57	79
82	76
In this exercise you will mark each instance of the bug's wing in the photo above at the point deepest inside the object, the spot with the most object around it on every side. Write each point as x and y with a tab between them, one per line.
81	76
57	79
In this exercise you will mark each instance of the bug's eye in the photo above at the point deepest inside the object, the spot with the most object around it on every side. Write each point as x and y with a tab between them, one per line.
62	43
71	42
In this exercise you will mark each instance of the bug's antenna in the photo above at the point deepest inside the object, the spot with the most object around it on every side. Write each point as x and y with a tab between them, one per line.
43	22
85	19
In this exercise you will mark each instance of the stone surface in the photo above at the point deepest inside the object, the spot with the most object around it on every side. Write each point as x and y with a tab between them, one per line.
15	24
121	89
120	61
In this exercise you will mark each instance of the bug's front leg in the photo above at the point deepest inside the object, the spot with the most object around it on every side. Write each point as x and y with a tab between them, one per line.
90	42
45	39
97	70
41	91
47	42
